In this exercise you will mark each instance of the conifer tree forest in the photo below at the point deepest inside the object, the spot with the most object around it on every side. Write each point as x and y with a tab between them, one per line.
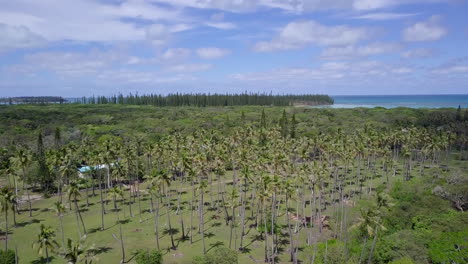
245	179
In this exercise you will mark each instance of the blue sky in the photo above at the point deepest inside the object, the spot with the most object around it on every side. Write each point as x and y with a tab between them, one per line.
338	47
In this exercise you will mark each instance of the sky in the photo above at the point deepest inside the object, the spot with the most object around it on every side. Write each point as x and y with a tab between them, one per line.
75	48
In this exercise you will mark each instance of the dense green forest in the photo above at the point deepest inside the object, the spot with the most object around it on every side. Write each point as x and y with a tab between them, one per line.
233	184
203	100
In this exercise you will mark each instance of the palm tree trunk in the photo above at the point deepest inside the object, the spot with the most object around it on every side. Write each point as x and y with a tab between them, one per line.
291	242
139	199
191	212
79	214
363	249
156	223
6	230
168	208
264	220
130	202
61	231
27	191
202	221
369	261
47	254
103	208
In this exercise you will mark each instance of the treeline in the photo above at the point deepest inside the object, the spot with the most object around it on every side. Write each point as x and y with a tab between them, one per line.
203	100
32	100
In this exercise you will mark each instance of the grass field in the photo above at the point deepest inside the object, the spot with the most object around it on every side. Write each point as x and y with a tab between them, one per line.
141	235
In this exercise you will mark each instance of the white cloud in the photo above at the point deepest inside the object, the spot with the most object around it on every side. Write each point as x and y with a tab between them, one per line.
14	37
221	25
176	54
330	71
381	4
67	64
384	16
352	51
452	69
301	33
84	20
158	34
402	70
429	30
217	16
193	67
417	53
292	6
212	53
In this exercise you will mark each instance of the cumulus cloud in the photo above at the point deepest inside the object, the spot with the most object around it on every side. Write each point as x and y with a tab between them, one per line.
14	37
176	54
330	71
380	4
296	6
212	53
417	53
384	16
82	20
187	68
429	30
352	51
157	34
457	66
67	64
298	34
221	25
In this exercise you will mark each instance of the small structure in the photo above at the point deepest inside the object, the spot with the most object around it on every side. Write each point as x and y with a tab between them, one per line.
86	169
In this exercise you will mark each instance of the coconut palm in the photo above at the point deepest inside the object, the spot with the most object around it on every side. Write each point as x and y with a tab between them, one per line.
202	188
115	193
59	208
45	241
21	160
76	252
7	203
74	194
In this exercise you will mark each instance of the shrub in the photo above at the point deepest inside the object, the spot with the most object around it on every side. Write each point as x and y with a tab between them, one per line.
7	256
220	255
143	256
405	260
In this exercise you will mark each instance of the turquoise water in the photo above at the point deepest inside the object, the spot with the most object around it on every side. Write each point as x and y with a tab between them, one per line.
392	101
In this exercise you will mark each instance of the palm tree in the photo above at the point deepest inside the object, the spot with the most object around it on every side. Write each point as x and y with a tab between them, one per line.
7	202
115	193
74	194
233	204
77	253
164	180
59	208
289	190
154	190
202	188
22	159
45	241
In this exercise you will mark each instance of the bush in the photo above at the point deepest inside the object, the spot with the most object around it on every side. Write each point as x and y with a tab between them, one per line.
405	260
7	256
143	256
220	255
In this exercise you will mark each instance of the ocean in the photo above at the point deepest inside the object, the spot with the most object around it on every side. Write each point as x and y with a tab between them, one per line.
392	101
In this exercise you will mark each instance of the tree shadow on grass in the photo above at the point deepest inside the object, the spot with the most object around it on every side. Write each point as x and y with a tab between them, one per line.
173	231
125	221
32	221
215	245
94	230
209	235
42	260
101	250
